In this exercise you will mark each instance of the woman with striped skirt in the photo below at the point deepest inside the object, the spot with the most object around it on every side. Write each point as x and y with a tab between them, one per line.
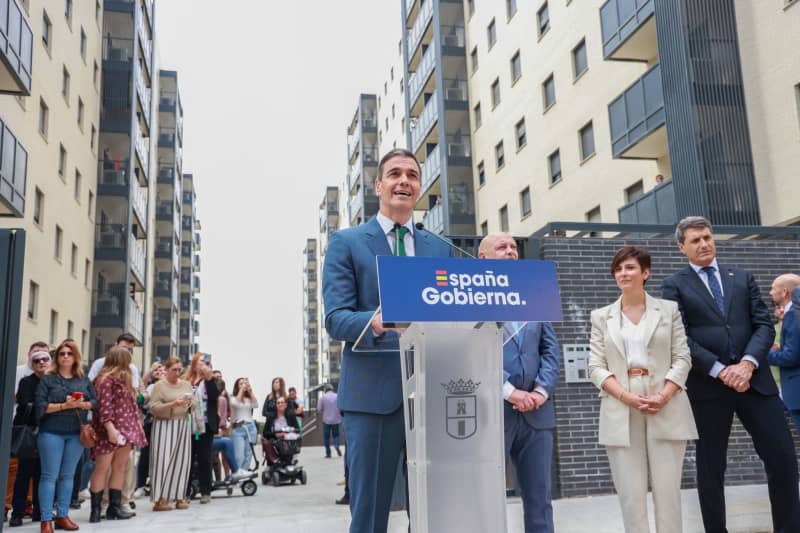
171	440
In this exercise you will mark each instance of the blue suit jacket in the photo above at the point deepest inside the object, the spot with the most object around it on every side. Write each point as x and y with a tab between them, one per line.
788	359
369	382
745	328
531	357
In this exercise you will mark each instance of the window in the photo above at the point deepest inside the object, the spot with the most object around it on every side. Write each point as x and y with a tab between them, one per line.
38	207
504	218
594	215
391	73
543	16
634	192
476	111
549	92
91	205
97	11
385	88
80	113
386	123
53	326
491	33
92	137
586	135
471	7
495	92
33	300
522	137
481	174
62	161
516	68
83	44
499	155
59	239
473	57
70	329
525	202
84	336
73	260
65	77
68	10
554	162
579	62
44	117
511	8
47	31
78	183
95	74
87	272
401	85
392	110
484	228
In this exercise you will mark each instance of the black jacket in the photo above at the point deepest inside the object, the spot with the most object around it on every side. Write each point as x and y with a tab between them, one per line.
291	419
26	397
212	397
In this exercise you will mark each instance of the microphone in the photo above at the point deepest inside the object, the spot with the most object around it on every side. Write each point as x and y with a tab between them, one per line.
421	226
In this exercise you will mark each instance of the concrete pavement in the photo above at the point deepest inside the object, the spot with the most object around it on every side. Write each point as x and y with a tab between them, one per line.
311	509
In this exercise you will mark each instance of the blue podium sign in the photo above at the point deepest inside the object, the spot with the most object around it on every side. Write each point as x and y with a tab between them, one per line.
444	289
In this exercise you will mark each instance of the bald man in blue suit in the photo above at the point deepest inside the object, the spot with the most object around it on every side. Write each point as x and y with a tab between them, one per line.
370	388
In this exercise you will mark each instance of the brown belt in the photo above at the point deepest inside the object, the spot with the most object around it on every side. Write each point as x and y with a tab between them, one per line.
638	372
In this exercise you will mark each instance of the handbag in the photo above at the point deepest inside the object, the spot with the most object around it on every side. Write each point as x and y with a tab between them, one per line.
23	438
88	435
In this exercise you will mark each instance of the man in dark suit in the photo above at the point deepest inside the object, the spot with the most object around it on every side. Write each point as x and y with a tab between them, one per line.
370	387
530	371
730	331
787	354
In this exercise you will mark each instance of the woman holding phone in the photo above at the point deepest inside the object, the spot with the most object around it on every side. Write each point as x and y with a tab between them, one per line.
118	427
171	443
62	400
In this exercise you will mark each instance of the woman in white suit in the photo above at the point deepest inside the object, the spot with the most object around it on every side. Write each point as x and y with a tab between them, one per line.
640	360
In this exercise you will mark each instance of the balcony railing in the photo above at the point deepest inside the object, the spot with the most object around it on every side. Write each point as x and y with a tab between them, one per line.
431	168
434	219
108	306
111	237
453	36
418	79
166	137
165	247
135	319
166	174
458	146
168	101
195	284
455	90
369	119
355	204
13	174
144	40
142	147
137	257
620	20
117	49
425	122
113	174
656	206
418	29
139	201
116	110
144	94
370	155
16	47
637	112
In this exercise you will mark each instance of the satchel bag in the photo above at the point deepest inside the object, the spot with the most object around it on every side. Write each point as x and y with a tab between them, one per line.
23	438
88	435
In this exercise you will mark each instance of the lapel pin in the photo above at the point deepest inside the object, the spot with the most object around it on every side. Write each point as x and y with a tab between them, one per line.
730	274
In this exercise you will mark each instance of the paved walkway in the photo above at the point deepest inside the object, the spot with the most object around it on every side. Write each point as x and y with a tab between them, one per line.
311	509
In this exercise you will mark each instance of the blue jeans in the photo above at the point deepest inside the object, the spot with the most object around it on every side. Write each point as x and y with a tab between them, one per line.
59	455
328	431
242	436
225	445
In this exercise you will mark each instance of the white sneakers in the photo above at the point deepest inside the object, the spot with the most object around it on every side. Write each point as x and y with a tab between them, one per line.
240	474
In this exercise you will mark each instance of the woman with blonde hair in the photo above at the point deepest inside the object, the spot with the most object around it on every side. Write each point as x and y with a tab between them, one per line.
205	418
62	400
171	442
118	427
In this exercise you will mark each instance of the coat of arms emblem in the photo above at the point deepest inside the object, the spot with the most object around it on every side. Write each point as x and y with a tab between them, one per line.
461	408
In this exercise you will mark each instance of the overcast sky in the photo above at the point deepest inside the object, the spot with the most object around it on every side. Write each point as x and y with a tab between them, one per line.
268	89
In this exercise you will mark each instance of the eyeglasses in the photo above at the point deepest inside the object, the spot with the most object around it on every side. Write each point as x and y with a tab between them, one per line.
40	360
176	370
64	353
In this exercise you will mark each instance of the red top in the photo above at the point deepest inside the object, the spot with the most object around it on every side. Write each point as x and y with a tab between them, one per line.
116	404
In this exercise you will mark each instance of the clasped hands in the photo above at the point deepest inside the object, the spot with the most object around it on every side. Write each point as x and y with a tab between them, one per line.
523	401
648	405
737	376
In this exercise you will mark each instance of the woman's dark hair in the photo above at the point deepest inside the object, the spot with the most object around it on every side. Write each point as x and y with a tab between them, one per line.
641	255
248	394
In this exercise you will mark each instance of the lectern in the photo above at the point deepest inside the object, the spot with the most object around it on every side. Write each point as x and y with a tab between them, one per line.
452	370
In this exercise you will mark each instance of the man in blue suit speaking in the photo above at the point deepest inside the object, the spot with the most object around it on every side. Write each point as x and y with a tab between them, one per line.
530	371
370	388
787	354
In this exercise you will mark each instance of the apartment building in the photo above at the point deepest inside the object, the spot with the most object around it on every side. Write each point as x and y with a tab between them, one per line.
391	106
330	350
311	322
48	160
120	297
189	325
168	218
362	159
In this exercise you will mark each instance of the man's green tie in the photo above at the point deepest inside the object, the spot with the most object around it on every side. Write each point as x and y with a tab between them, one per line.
399	239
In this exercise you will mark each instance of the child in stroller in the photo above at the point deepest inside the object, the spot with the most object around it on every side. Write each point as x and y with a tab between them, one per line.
282	441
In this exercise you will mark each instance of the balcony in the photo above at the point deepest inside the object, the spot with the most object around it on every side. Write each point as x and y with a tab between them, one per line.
16	50
112	178
117	49
110	241
166	138
168	101
109	305
165	248
657	206
431	169
142	147
196	305
143	93
166	174
455	93
137	257
424	123
166	285
144	38
135	320
195	284
162	323
418	80
454	40
434	219
370	155
197	242
355	205
629	30
139	202
13	174
459	149
417	31
166	212
369	121
637	119
196	263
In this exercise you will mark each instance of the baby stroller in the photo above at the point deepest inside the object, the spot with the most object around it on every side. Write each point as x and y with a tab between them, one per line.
284	469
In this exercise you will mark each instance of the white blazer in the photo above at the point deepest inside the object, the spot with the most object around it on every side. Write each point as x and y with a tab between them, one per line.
668	358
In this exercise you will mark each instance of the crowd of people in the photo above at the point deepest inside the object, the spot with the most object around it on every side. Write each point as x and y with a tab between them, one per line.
109	435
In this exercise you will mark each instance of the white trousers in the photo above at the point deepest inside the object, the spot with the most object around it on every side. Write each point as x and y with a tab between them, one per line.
629	469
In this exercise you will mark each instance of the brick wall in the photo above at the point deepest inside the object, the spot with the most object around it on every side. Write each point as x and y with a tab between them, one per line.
586	284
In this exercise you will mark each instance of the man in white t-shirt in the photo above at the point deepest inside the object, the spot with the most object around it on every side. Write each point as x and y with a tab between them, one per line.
127	341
